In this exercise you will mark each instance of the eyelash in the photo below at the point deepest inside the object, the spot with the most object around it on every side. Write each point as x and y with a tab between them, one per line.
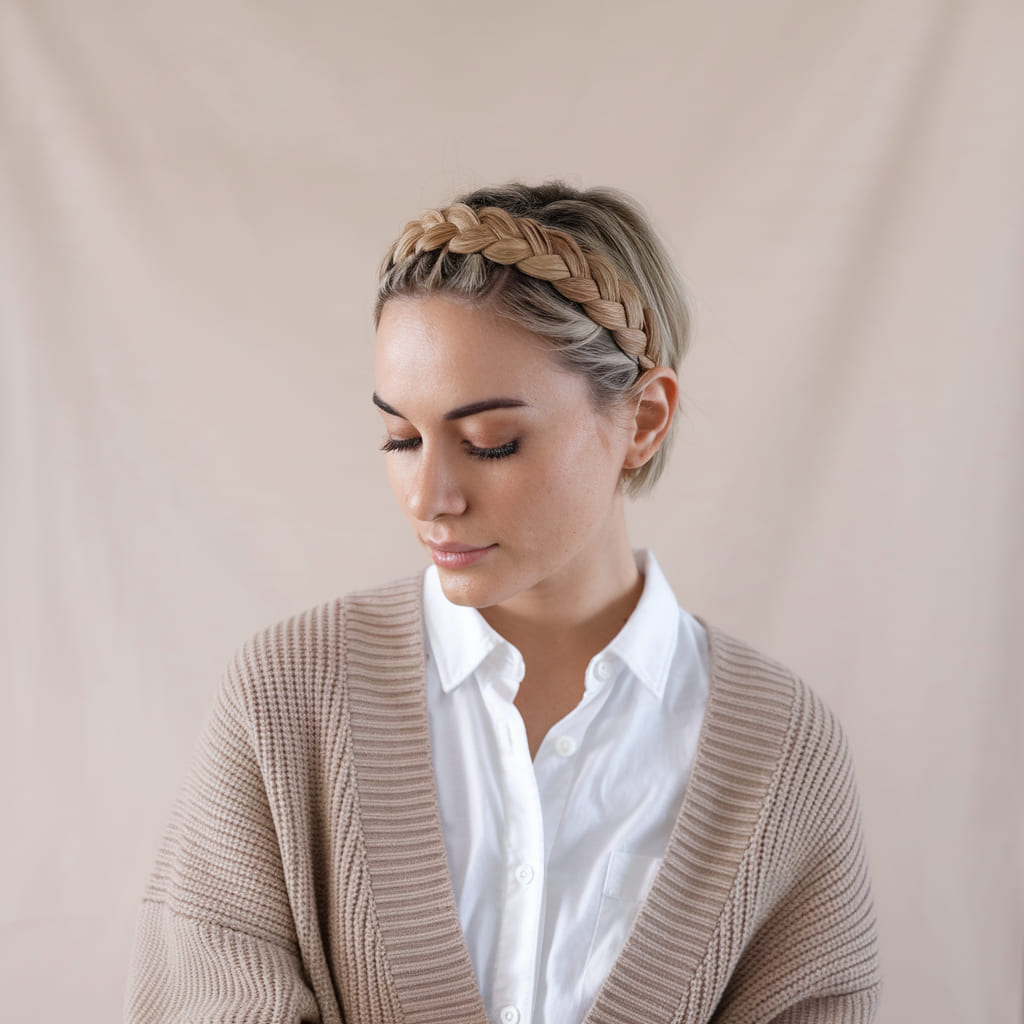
503	451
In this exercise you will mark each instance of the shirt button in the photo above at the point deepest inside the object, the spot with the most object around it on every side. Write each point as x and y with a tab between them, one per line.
565	746
603	669
508	1015
524	874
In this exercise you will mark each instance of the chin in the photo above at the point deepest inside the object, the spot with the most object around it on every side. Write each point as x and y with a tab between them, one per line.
473	590
463	591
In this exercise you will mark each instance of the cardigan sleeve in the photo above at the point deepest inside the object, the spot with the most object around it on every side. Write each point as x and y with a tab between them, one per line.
216	940
812	955
186	969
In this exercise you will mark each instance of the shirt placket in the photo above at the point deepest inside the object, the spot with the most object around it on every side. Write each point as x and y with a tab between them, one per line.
520	928
554	767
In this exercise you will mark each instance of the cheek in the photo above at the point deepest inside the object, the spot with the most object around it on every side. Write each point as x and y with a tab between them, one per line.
398	478
591	462
577	485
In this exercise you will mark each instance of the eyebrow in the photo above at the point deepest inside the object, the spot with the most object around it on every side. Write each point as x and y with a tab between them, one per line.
463	410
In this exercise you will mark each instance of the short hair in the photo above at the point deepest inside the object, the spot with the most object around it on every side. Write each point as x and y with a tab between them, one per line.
582	269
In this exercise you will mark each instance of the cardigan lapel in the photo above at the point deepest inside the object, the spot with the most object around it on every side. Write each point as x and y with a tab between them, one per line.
745	727
411	883
687	913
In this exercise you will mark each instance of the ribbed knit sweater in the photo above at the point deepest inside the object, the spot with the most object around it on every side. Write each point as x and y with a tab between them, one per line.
303	875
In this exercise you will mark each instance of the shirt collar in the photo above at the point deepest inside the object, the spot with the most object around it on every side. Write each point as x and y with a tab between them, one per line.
647	642
460	640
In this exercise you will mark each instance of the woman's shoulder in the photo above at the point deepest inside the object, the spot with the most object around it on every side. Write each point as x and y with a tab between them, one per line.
764	710
309	650
751	677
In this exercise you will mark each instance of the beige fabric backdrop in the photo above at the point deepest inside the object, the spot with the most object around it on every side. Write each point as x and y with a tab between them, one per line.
193	200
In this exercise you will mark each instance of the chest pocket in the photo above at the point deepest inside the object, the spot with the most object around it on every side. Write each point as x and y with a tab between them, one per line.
626	883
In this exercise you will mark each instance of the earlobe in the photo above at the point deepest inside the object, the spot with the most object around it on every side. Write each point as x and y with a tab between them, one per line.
657	396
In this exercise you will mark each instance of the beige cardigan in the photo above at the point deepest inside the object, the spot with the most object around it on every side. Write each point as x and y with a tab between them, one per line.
303	875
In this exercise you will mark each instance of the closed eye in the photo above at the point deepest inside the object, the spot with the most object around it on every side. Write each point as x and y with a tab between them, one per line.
503	451
400	444
405	444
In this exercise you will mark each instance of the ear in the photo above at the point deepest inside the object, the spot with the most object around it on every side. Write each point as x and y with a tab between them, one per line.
656	397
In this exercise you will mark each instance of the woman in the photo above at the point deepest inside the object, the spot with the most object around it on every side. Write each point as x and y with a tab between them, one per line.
525	787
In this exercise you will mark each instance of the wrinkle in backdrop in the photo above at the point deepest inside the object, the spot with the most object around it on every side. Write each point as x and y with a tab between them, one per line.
193	205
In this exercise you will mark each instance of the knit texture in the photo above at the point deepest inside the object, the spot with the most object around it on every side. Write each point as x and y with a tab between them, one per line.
303	875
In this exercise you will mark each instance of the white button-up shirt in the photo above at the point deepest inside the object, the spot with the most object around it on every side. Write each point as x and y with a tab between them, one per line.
551	858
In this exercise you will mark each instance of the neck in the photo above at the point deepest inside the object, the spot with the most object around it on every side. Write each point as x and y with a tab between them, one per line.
561	627
576	614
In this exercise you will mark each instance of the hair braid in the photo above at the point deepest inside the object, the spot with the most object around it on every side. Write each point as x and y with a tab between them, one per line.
547	254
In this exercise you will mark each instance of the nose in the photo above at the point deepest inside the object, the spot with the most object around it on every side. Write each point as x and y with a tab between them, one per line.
434	489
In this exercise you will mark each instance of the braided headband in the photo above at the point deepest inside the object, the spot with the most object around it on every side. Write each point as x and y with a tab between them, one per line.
544	253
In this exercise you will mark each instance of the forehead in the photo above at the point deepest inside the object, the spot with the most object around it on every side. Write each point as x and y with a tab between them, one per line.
433	347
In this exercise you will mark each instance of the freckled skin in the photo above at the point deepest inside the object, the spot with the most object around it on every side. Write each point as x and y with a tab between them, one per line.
552	508
556	576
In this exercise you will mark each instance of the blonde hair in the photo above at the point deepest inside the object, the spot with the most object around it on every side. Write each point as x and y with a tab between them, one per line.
582	269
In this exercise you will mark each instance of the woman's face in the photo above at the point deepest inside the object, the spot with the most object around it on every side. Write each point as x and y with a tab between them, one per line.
499	459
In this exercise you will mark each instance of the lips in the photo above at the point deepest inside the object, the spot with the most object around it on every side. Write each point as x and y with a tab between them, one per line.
456	556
